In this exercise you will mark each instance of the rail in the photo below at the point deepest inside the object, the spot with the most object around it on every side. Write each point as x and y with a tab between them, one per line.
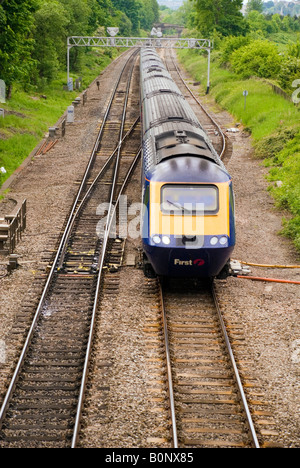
170	366
112	208
54	274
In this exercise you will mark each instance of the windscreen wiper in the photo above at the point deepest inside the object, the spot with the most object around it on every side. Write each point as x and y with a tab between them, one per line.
177	205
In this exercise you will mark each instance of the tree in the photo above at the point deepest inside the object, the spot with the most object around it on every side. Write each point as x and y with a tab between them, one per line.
258	23
149	13
256	5
131	8
51	21
79	13
224	16
16	41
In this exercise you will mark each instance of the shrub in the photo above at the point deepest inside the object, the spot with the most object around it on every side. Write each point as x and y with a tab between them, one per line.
231	44
290	71
259	58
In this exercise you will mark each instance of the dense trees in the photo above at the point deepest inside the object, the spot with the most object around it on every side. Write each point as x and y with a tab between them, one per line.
149	13
16	41
252	45
223	16
34	32
258	58
255	5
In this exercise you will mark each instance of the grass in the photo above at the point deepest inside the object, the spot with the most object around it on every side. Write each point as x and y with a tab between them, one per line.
28	115
274	124
27	118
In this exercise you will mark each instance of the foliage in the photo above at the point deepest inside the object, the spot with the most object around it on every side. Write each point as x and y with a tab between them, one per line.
294	49
222	15
230	44
185	15
16	40
34	33
259	58
274	124
149	13
131	9
51	20
255	5
289	71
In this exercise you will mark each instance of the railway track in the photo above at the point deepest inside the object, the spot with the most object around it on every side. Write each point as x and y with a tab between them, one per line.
208	403
207	398
43	404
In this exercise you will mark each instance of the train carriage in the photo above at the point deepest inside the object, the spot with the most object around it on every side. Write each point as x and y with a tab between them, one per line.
188	226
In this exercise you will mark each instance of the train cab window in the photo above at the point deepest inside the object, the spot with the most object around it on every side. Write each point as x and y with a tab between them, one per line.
189	199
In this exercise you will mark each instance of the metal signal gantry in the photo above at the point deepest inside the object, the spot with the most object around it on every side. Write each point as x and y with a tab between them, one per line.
140	42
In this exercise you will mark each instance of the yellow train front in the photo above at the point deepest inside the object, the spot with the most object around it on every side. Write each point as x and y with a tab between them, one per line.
188	226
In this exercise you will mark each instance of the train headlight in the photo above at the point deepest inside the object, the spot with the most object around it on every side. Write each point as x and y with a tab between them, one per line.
156	240
223	240
214	241
166	240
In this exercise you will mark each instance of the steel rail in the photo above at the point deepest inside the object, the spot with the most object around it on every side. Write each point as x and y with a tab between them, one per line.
92	186
235	369
21	359
110	216
222	324
233	362
221	154
91	161
169	371
95	308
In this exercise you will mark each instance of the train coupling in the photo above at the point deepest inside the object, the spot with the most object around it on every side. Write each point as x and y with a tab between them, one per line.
237	268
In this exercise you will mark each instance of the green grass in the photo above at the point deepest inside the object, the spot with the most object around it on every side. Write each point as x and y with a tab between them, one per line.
27	119
28	115
274	124
265	111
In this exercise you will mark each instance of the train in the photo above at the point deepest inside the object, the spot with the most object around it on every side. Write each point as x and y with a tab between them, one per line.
188	216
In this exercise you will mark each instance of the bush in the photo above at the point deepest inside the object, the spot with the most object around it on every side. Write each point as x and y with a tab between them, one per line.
231	44
259	58
290	71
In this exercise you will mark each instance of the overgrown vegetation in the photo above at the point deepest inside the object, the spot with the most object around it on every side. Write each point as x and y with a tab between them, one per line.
28	115
257	51
33	42
34	34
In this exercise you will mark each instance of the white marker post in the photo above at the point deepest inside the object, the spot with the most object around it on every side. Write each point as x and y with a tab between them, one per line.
70	115
245	94
2	92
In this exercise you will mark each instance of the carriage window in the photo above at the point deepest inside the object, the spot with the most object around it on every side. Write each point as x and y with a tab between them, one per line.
189	199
